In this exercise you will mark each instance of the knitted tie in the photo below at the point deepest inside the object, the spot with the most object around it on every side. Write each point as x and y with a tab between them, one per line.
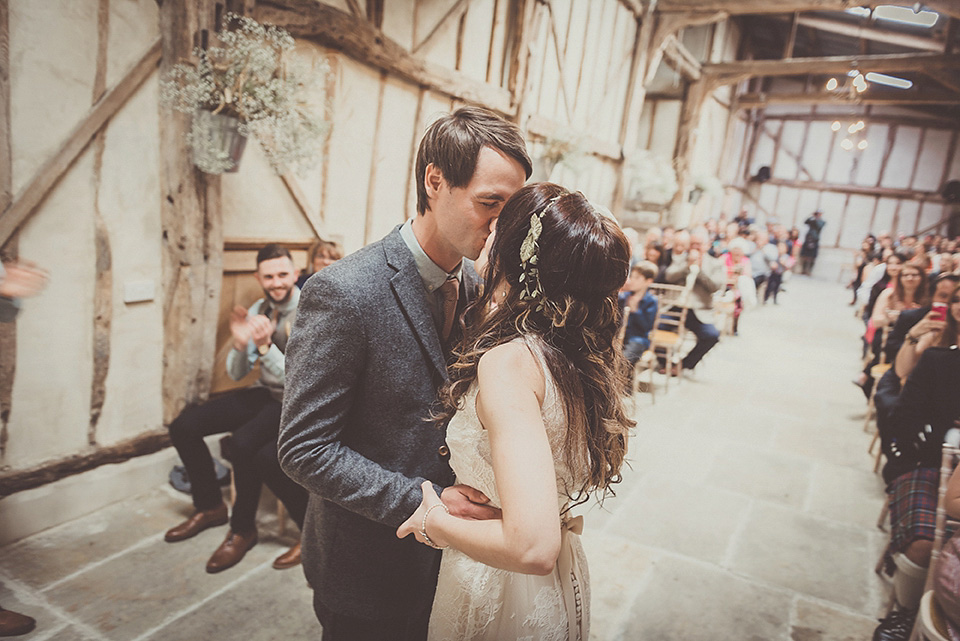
449	292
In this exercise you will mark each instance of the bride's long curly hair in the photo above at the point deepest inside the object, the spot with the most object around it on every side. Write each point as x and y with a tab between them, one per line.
583	259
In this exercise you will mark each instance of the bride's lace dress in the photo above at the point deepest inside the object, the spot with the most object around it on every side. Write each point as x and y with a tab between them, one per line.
476	601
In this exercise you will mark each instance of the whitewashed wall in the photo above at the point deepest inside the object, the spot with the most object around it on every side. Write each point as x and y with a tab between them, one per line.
917	159
53	48
577	81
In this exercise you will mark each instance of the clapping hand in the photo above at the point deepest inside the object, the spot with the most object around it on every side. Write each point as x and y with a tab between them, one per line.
22	280
261	329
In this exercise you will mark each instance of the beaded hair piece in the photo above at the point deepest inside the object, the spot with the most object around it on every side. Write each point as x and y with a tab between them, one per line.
529	249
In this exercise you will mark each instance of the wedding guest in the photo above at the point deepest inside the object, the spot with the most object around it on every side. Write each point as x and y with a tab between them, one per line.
537	423
643	310
368	353
251	415
322	253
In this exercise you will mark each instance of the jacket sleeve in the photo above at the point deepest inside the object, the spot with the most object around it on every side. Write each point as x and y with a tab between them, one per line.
646	313
325	360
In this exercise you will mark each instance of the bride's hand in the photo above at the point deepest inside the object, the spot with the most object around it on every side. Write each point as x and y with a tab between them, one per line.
413	524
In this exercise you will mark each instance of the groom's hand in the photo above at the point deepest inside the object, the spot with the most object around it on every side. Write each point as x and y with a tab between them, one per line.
466	502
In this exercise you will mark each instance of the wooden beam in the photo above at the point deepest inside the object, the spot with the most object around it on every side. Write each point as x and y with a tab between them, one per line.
8	331
869	32
740	7
680	59
365	43
19	480
885	63
453	13
889	192
825	98
300	198
53	169
192	234
792	38
949	80
910	121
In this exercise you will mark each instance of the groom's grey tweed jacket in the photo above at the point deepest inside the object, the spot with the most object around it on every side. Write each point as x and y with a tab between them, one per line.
363	366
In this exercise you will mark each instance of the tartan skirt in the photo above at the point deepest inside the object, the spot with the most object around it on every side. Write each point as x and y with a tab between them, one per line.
913	507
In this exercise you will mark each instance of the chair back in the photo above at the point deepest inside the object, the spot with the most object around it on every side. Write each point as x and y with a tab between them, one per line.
672	306
948	462
622	332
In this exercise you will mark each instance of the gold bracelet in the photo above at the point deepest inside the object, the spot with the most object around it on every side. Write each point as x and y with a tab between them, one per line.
423	526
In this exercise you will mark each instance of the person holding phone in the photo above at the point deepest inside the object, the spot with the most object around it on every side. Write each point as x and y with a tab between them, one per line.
927	332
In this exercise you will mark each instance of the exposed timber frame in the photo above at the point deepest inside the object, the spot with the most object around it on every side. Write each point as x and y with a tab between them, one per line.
192	231
363	42
740	7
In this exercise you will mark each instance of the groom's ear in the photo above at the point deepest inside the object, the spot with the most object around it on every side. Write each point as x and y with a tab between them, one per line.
433	181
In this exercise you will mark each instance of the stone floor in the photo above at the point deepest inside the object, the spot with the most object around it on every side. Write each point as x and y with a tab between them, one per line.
748	514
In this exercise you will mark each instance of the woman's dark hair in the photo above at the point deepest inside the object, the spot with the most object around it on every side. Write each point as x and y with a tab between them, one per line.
950	333
583	258
920	296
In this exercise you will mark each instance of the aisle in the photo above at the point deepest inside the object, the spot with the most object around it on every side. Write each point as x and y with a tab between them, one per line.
750	510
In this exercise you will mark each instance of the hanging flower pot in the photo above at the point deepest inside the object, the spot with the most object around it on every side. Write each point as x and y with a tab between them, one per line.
216	142
256	83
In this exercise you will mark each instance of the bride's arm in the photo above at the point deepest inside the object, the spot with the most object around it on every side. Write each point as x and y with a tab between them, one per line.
527	539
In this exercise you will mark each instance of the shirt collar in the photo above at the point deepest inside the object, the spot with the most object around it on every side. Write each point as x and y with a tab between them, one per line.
432	274
290	305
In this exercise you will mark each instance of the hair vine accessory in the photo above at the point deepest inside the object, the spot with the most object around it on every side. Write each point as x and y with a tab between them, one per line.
530	273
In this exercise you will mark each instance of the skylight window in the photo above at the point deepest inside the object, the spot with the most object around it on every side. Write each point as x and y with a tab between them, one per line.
903	15
890	81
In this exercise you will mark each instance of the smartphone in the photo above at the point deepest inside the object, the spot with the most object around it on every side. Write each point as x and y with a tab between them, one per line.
939	311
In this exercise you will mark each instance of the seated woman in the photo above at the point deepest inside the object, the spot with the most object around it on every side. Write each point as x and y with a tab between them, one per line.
908	290
323	253
927	407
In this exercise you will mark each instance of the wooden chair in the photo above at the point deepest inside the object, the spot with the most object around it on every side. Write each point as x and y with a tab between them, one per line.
927	625
669	327
645	363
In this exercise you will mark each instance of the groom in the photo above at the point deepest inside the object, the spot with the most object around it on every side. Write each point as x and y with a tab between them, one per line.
368	353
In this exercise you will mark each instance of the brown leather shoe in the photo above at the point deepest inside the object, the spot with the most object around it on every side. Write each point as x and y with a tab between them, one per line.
14	624
288	559
231	551
200	521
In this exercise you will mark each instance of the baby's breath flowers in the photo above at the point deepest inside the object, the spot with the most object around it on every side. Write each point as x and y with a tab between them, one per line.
253	76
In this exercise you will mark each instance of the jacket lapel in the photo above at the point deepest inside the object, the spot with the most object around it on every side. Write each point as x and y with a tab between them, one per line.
408	287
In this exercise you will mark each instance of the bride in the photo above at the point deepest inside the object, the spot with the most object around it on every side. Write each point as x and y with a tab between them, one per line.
537	423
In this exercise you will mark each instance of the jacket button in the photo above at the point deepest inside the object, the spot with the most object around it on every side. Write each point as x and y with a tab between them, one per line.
443	450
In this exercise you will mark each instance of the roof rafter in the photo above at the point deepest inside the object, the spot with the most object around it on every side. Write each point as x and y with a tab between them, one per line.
740	7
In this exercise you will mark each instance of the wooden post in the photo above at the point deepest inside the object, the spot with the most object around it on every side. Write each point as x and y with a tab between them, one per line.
636	94
192	236
103	284
792	38
8	331
697	93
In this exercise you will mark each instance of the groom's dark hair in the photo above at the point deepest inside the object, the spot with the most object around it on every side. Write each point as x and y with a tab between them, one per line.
452	143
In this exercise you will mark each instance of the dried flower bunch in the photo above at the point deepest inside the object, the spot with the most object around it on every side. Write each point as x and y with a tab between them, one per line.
254	76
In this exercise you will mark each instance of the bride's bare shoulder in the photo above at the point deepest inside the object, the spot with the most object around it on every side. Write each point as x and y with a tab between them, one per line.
513	364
